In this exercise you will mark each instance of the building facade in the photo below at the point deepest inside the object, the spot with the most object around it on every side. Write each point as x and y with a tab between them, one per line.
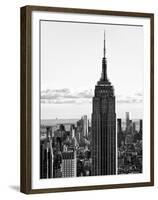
68	165
46	156
103	125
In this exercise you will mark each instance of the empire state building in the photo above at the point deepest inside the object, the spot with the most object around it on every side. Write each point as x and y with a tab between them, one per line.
103	125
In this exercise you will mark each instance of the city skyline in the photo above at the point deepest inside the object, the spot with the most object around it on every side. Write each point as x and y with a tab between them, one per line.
66	149
93	148
62	99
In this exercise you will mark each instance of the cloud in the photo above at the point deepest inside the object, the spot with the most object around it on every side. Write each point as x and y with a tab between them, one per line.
139	94
130	101
65	96
51	101
135	98
86	94
54	94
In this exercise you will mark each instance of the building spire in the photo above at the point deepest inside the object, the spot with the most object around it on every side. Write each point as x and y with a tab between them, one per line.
104	45
104	65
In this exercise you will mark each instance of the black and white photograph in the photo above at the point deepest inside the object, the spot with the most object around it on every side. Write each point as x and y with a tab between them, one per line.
91	104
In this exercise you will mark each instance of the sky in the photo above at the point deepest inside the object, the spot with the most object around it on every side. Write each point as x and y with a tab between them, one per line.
71	63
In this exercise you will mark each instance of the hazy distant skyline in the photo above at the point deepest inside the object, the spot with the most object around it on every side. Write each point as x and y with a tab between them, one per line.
71	64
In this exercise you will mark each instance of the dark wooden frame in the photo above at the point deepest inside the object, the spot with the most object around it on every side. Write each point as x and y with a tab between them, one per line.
25	140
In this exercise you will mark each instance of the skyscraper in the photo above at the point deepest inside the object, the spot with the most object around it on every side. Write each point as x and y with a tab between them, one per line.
85	126
127	122
140	126
119	125
46	156
103	125
69	164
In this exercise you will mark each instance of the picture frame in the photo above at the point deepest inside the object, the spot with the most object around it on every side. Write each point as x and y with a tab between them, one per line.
31	54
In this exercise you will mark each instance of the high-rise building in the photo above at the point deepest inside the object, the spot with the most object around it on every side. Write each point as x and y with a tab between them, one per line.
57	172
85	126
119	125
127	122
46	156
82	125
120	134
69	164
133	127
140	126
104	125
